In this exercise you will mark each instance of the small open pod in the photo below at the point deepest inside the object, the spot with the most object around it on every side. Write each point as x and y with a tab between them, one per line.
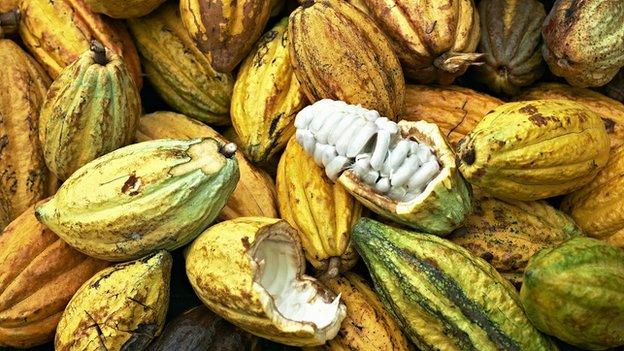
406	172
250	271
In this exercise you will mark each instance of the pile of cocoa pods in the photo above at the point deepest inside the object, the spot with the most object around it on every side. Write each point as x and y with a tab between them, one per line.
264	175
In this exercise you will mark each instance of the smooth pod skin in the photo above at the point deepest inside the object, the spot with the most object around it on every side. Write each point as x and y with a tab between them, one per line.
338	53
611	111
179	72
267	96
442	296
124	8
598	207
57	32
73	133
573	292
321	210
39	273
255	193
511	41
122	307
225	30
436	41
153	195
533	150
576	46
23	174
456	110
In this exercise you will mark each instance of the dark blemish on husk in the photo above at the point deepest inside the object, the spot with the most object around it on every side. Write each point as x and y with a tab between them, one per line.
132	185
609	125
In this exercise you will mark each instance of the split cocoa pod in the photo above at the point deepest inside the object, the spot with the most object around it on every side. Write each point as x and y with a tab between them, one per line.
74	131
255	193
39	273
57	32
250	271
123	307
124	8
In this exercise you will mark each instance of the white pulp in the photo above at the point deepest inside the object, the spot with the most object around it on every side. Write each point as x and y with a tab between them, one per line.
341	136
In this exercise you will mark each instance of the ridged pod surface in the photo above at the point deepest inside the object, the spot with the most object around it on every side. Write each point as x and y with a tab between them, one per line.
511	41
598	207
267	96
58	32
456	110
250	271
533	150
576	46
574	292
199	329
153	195
507	233
39	273
122	307
124	8
225	30
368	326
339	53
443	296
75	131
255	193
611	111
179	72
323	212
23	85
435	40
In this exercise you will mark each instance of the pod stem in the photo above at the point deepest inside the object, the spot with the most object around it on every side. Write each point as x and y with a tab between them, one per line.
10	20
333	268
99	53
454	62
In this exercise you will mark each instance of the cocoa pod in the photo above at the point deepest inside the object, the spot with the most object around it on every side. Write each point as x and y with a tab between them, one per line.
8	5
255	193
456	110
435	40
124	8
510	39
338	53
39	273
225	29
180	73
266	97
74	132
576	46
23	173
57	32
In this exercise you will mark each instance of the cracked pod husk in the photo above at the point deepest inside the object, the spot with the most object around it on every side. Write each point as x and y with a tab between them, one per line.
123	307
405	172
436	41
153	195
442	296
323	212
250	271
124	8
74	132
179	72
533	150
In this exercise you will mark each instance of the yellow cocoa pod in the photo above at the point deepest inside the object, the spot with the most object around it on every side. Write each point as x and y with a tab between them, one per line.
225	29
180	73
255	193
339	53
266	97
7	5
74	132
250	271
611	111
368	325
598	207
58	32
39	273
323	211
533	150
456	110
23	85
124	8
123	307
